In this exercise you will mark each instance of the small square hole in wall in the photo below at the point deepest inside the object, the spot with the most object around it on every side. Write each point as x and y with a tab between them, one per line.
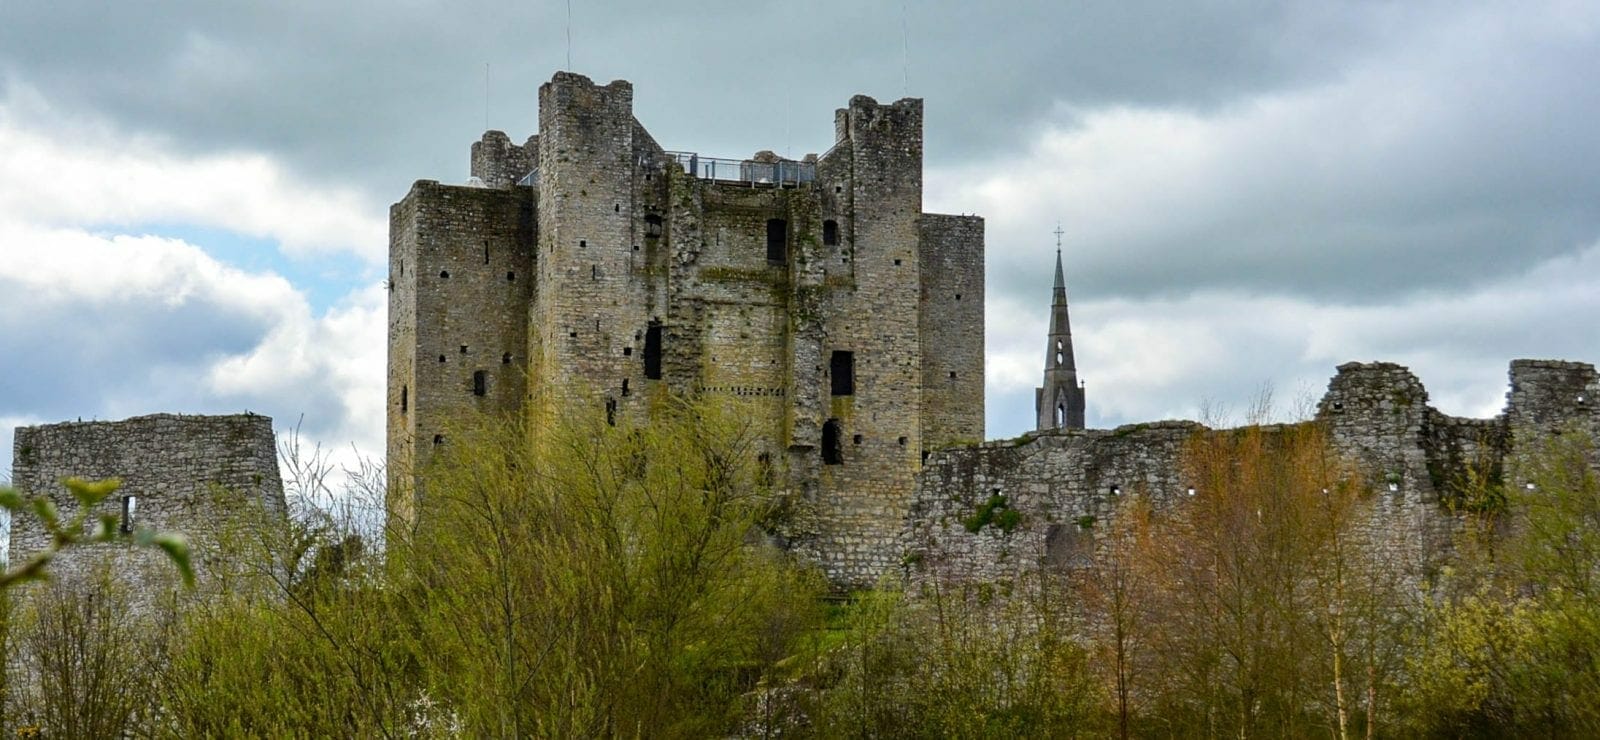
635	247
438	439
902	441
583	242
952	375
463	349
444	274
856	439
441	358
838	189
897	263
627	351
1338	405
511	277
505	359
572	334
958	296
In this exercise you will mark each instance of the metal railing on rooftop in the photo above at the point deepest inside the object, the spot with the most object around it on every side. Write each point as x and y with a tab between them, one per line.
749	171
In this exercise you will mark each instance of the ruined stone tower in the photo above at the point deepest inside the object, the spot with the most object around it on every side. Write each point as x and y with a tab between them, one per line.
1059	403
594	270
194	475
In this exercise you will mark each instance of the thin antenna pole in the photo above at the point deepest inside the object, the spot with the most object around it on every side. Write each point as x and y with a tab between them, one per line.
485	96
905	53
569	35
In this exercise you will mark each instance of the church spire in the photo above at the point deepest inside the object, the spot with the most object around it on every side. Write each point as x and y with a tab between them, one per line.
1059	404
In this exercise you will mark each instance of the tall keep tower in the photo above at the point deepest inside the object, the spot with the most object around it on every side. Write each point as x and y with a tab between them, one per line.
1059	404
591	271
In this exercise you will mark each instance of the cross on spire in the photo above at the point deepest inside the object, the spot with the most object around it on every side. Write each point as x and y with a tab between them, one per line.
1058	233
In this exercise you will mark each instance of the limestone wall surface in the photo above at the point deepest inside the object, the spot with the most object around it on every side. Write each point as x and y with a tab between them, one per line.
1064	484
194	475
461	270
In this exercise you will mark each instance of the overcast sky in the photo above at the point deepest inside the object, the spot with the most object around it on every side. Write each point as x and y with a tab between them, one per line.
193	195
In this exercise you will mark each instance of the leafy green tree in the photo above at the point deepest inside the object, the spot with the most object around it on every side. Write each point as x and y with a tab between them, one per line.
583	579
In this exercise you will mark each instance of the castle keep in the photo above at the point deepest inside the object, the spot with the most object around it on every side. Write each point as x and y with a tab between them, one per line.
589	268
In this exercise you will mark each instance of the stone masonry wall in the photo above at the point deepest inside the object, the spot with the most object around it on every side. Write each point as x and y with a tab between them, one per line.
498	163
461	281
1064	484
195	475
951	314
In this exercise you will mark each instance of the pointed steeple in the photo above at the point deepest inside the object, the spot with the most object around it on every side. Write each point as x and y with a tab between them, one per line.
1059	404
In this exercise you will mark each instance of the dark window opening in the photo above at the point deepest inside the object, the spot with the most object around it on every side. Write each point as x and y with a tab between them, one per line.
583	242
572	334
903	441
952	375
129	504
405	398
838	189
830	233
463	349
611	412
856	439
594	272
438	439
925	455
627	351
441	358
486	254
480	383
1061	416
616	208
505	359
652	227
652	351
842	373
832	448
764	473
444	274
897	263
511	277
777	240
624	386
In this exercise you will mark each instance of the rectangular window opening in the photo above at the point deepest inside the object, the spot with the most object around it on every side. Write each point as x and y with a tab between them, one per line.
777	241
652	351
129	505
830	233
842	373
480	382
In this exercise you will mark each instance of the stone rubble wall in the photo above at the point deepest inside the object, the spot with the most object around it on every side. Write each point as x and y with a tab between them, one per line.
1065	484
197	476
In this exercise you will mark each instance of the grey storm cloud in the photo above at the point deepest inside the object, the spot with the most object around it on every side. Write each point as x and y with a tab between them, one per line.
383	93
1314	179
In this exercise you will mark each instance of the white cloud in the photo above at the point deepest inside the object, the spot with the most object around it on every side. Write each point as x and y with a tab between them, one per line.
1162	358
82	173
95	323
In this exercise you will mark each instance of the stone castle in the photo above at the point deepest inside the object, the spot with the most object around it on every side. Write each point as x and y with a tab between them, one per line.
592	268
